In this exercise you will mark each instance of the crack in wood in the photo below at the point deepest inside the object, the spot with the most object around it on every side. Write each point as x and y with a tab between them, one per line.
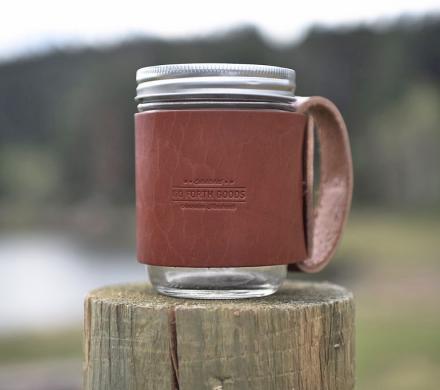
173	348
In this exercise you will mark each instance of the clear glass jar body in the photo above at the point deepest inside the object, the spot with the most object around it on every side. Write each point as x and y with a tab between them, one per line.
217	283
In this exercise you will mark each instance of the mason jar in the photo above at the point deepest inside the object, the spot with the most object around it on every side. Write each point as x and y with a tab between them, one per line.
220	179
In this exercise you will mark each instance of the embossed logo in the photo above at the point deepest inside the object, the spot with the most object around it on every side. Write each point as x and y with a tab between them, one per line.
209	194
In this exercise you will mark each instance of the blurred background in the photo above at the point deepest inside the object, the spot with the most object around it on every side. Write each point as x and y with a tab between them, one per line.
67	82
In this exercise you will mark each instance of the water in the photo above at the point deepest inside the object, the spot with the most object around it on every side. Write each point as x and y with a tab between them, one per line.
45	277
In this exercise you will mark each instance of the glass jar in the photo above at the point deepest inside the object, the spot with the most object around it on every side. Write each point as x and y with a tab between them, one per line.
212	87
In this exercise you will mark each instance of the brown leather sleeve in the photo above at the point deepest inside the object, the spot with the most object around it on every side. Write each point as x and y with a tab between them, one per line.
326	222
220	188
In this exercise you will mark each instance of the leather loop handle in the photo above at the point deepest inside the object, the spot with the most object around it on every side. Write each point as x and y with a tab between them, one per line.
336	182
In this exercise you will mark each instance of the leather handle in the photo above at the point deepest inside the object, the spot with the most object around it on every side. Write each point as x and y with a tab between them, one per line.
336	182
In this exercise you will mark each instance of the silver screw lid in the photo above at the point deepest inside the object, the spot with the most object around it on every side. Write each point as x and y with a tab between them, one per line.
215	81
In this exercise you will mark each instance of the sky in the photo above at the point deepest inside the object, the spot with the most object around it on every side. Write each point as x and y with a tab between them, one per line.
29	26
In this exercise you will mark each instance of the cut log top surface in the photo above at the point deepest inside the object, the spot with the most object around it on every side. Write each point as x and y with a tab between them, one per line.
299	338
294	294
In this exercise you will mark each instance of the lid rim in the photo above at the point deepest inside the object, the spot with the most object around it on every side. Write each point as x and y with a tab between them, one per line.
215	79
167	71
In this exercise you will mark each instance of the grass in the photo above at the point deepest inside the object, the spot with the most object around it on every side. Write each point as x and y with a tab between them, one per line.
397	345
396	289
390	238
40	346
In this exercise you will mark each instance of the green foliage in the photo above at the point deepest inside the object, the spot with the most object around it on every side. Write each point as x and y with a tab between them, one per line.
406	141
32	174
77	107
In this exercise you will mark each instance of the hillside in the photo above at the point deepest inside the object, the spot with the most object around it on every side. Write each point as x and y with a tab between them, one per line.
66	117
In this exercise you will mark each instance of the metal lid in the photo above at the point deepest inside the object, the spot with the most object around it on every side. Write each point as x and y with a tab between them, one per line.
215	81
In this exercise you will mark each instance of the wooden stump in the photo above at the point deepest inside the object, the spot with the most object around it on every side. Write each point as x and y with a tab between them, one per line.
300	338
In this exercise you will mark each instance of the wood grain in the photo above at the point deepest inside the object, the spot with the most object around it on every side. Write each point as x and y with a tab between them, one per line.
300	338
